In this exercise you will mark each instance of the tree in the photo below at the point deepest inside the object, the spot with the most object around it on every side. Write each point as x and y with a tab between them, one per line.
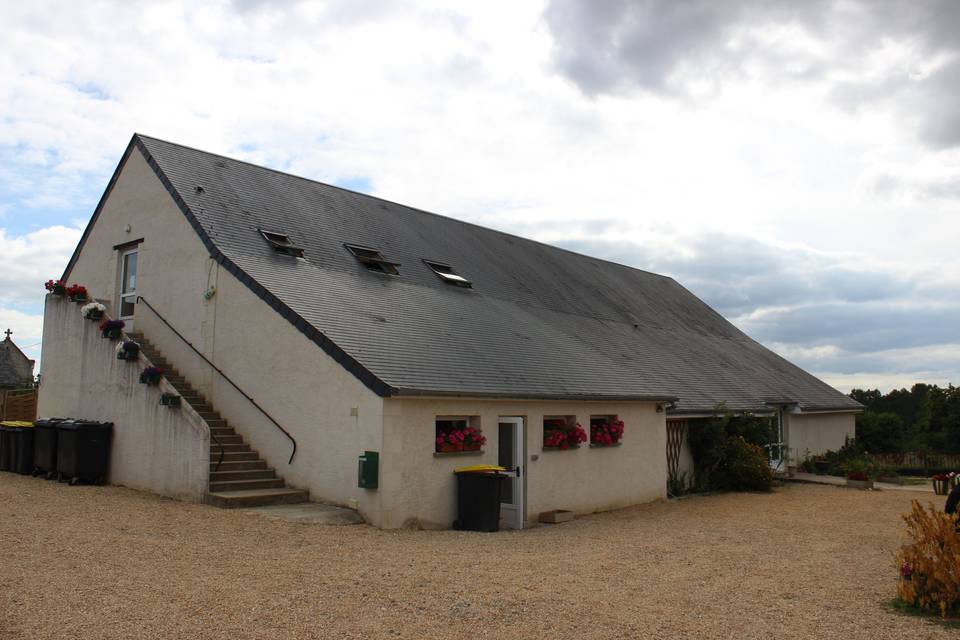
881	432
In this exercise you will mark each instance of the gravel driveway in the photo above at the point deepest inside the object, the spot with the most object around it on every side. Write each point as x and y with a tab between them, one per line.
106	562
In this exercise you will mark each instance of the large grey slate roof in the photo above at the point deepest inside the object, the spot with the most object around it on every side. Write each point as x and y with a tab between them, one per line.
539	322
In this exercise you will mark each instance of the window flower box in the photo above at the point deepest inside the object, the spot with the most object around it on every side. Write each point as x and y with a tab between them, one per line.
170	400
455	436
562	433
77	293
128	350
56	287
151	375
92	311
605	431
110	329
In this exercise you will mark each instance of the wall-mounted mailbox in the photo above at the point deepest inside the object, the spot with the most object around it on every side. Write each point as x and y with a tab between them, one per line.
368	473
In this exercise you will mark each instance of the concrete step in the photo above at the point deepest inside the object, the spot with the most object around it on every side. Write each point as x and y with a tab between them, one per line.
220	432
242	485
225	439
218	424
228	448
254	497
233	456
183	388
195	400
209	415
229	466
245	474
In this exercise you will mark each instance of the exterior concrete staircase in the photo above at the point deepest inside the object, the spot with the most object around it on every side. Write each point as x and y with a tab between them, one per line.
242	479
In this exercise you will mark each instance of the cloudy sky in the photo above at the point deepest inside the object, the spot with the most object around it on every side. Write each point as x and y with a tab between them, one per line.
795	164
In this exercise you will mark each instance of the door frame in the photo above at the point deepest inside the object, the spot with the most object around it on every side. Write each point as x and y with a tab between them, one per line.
132	294
512	514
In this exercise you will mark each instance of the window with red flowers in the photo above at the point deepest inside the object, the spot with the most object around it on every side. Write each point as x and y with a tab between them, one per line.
457	434
605	431
562	432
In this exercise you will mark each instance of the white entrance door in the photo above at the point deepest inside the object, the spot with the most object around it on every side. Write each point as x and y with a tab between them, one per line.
511	456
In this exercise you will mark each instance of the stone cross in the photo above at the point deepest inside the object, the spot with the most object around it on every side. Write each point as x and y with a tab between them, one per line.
8	332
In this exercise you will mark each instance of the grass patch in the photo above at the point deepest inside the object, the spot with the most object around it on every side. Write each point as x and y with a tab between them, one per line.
899	606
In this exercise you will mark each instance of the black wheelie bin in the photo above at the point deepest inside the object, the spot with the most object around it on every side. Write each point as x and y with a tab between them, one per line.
20	441
5	446
45	447
478	497
83	450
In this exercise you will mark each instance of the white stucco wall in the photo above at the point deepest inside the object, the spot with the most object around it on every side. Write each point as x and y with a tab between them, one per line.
419	487
305	390
815	433
155	448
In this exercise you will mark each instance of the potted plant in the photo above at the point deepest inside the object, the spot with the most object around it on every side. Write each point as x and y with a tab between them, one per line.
92	311
558	435
170	400
455	440
56	287
128	350
77	293
606	433
941	483
822	465
151	375
111	329
859	480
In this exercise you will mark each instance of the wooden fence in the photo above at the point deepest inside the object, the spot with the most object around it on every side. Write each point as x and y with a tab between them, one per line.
18	404
919	460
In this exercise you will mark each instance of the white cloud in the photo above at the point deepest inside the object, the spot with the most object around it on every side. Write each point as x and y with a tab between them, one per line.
27	261
462	111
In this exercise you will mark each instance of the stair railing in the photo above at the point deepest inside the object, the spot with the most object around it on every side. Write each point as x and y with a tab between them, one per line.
223	375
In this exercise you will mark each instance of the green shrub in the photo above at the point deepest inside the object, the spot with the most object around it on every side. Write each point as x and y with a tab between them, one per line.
744	467
728	453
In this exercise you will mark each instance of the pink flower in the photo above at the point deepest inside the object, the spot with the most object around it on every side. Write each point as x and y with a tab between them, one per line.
906	571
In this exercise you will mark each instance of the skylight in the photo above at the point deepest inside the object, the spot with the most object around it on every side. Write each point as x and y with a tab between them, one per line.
372	259
281	243
446	273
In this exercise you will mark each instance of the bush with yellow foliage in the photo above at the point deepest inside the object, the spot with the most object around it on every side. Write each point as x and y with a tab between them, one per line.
930	561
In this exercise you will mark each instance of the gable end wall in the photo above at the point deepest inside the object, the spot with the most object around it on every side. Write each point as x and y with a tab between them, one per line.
302	387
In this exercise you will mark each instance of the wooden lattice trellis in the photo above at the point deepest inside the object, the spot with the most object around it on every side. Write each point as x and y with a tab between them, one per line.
675	431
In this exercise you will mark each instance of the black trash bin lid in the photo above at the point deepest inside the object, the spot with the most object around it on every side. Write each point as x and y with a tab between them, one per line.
77	425
47	422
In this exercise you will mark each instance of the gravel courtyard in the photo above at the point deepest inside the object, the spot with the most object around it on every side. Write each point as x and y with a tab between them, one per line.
107	562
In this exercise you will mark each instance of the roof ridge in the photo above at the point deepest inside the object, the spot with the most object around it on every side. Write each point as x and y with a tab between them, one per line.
404	206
